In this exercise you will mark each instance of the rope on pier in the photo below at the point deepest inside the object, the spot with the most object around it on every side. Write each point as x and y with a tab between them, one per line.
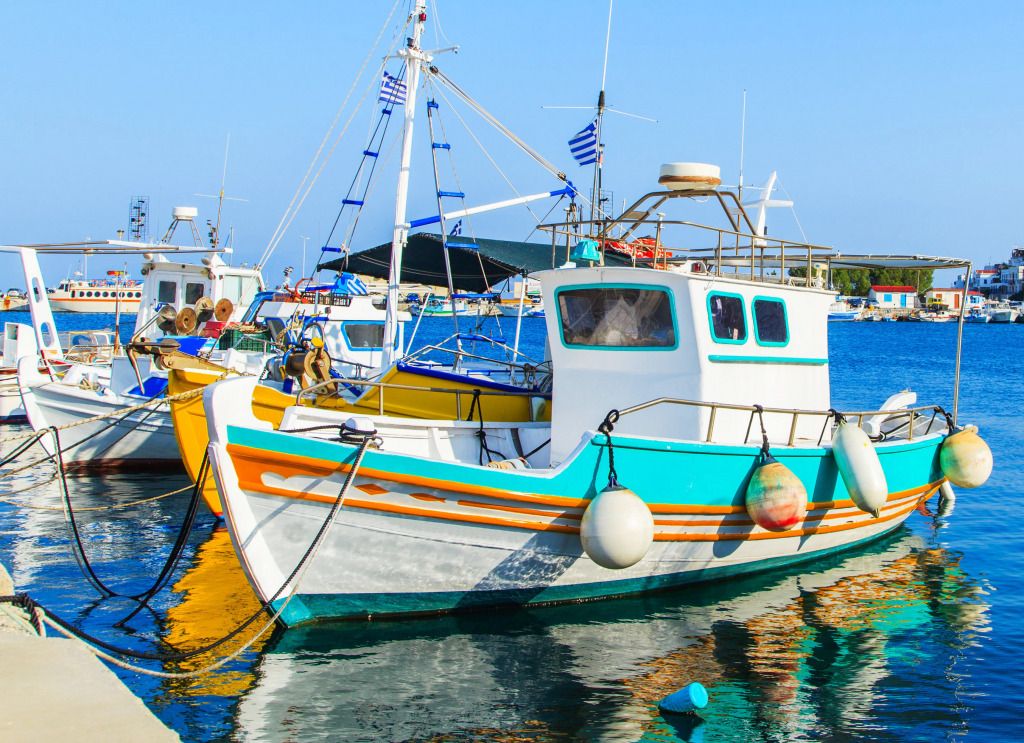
103	649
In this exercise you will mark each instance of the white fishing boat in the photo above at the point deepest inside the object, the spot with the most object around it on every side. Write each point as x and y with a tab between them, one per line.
841	311
13	299
688	435
437	307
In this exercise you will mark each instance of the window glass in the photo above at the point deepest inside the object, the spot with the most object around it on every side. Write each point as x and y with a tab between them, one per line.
106	294
167	292
728	322
617	317
232	289
770	322
193	292
370	335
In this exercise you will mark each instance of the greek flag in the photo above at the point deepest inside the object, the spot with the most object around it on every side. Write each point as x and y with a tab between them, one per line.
456	230
348	283
584	145
392	91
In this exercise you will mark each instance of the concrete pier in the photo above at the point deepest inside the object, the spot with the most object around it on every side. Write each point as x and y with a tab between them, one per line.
54	689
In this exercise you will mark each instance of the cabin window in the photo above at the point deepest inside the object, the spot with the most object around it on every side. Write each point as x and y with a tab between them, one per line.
728	321
368	335
72	295
617	317
106	294
770	326
167	292
193	292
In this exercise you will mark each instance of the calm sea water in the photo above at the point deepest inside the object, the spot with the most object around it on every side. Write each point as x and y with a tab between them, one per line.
916	637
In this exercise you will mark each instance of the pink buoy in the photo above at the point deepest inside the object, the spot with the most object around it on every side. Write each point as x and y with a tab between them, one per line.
776	499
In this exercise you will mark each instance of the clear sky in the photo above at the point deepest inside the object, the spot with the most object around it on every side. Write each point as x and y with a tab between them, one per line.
894	126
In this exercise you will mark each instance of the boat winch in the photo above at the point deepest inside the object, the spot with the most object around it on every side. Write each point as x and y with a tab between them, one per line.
776	499
859	467
965	458
617	528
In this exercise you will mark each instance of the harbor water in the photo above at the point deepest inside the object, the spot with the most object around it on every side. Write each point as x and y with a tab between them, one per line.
916	636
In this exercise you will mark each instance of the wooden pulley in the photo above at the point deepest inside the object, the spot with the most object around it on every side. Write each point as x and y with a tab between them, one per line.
223	309
318	365
204	309
165	317
186	321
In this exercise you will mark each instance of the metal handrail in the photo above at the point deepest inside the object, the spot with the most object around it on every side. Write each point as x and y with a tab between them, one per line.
390	385
795	413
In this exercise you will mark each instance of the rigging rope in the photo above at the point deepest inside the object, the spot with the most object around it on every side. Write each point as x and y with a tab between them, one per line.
289	213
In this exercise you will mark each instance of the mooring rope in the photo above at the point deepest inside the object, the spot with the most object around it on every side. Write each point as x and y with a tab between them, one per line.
97	646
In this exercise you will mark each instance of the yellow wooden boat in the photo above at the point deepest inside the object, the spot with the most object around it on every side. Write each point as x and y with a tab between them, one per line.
404	392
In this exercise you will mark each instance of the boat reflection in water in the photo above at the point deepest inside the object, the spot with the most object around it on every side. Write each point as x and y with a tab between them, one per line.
809	652
215	599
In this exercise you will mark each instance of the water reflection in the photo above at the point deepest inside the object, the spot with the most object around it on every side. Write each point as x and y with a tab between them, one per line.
790	654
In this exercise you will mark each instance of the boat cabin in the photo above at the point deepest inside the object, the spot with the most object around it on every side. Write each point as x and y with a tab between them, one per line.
729	324
181	285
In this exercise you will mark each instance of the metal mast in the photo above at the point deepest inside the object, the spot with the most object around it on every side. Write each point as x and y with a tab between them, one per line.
414	57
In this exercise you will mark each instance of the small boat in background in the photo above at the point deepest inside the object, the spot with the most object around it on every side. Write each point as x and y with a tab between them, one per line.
841	311
116	294
1003	312
13	299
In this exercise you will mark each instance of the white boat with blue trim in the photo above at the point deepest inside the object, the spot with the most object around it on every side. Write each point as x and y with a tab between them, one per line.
687	386
683	431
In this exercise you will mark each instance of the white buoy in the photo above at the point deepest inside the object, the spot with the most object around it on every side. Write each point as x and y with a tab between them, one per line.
965	458
947	499
860	468
617	528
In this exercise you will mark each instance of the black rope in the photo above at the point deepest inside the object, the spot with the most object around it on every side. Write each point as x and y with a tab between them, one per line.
24	601
766	453
606	428
171	563
481	434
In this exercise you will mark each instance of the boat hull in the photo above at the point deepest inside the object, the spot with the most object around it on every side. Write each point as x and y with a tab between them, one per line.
142	439
419	536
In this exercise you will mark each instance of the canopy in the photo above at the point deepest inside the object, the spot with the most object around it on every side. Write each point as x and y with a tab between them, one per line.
423	261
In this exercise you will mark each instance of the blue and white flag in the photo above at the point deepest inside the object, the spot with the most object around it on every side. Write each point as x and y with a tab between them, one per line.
392	91
348	283
584	145
456	230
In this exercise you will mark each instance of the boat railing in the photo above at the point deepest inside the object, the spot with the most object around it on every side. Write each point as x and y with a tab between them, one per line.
458	393
767	259
530	367
914	418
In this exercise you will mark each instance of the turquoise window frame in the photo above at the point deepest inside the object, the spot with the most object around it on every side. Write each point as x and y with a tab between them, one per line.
711	322
643	287
785	319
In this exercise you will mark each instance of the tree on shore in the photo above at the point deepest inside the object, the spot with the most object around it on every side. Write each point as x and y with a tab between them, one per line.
857	282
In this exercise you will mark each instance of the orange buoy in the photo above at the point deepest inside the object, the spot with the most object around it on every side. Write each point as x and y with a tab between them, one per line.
776	499
965	458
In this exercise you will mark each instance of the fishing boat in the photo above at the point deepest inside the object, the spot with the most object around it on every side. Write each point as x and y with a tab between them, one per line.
1003	312
436	307
672	391
841	311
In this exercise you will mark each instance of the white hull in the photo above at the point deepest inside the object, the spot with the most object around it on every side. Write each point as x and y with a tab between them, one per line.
1003	316
130	307
144	437
11	408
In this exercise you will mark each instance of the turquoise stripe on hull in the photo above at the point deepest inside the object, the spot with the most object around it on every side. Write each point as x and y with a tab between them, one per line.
307	608
665	472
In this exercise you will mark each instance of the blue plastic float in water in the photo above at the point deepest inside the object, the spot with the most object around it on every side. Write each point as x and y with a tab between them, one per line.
688	699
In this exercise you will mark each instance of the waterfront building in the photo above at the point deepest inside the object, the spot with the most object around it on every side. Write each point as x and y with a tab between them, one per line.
894	297
951	298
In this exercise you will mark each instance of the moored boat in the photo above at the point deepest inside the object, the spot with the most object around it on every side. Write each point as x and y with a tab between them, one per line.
690	362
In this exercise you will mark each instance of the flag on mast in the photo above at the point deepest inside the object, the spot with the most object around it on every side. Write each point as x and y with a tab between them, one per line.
392	91
584	144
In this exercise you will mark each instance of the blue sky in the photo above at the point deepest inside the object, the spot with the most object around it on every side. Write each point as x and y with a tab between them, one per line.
895	127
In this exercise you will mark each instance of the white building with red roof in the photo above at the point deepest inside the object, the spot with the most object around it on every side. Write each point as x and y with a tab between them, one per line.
894	297
951	298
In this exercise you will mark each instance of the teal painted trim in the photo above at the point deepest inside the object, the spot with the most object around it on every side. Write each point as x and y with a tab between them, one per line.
797	360
711	321
644	287
712	474
319	607
757	331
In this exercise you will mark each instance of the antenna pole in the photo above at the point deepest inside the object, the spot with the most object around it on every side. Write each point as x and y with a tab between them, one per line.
594	206
743	132
220	203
